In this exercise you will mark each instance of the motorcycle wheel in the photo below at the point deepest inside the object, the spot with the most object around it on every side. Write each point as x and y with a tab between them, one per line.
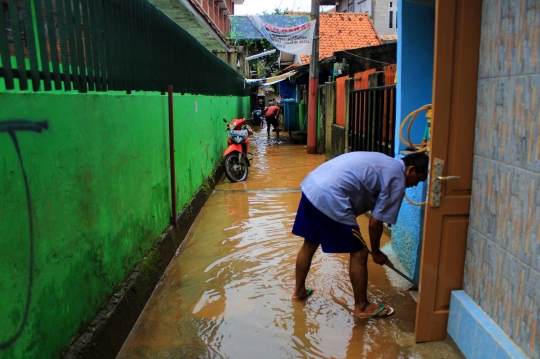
236	167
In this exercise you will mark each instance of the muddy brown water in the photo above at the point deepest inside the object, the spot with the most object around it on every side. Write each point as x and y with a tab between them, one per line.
226	292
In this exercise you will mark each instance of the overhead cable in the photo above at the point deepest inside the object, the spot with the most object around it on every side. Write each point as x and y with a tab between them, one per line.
366	58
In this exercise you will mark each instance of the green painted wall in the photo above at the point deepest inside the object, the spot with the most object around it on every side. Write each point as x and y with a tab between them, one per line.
99	182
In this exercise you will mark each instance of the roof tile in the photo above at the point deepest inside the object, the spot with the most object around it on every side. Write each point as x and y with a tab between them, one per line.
344	31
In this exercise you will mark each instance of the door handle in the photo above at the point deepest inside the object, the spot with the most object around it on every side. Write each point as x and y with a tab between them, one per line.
448	178
436	182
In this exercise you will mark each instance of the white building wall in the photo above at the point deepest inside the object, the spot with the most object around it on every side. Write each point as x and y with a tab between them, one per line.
379	10
363	6
354	6
385	17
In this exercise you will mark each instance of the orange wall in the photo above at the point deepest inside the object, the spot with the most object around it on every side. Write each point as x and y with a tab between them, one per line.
361	79
390	75
340	100
360	82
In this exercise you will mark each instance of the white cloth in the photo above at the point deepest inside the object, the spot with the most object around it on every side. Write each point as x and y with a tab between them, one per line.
293	40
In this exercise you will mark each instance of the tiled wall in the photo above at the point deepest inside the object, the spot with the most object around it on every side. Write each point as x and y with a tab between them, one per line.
476	334
502	270
408	230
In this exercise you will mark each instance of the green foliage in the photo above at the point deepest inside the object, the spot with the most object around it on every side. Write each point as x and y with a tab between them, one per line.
261	64
276	12
345	67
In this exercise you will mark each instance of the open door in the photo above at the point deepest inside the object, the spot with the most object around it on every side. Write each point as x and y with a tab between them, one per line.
446	220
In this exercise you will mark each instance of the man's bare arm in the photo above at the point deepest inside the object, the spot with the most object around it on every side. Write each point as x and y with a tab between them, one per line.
375	234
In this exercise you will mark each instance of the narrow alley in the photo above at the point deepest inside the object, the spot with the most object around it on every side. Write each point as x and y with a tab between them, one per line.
226	292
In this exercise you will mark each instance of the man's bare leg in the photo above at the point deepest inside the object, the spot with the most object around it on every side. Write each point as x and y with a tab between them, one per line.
358	273
303	264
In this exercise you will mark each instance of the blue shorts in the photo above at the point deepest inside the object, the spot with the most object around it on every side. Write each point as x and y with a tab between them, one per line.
317	228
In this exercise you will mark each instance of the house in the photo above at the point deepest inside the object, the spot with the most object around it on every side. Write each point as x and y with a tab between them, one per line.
478	255
337	32
473	242
90	103
208	22
341	31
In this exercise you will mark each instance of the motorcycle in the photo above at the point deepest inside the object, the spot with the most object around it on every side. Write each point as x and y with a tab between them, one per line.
257	117
236	162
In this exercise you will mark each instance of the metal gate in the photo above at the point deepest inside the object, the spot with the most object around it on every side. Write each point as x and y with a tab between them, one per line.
372	115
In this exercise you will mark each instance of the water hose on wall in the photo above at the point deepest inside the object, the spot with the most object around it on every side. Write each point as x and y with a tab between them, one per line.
422	147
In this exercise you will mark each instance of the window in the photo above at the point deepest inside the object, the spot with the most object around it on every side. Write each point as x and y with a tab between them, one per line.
390	4
391	18
396	19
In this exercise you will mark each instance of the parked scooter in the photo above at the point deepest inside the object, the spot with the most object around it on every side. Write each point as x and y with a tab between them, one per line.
257	117
236	162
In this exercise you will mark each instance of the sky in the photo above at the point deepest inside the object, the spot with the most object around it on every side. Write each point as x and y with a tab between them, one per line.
257	7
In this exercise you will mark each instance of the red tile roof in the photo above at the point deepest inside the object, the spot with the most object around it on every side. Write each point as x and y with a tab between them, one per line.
343	31
292	66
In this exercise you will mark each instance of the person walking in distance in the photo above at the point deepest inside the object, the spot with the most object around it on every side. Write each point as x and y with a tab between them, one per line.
337	192
271	114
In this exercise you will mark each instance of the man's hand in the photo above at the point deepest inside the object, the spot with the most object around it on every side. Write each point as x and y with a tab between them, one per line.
380	258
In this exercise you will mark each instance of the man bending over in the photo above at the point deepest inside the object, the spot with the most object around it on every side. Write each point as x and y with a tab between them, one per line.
337	192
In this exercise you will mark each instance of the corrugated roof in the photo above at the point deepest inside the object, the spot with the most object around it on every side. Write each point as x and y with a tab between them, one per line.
342	31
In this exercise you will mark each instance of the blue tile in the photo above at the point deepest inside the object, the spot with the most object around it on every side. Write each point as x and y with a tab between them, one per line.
485	346
509	348
476	334
453	317
467	333
501	354
461	296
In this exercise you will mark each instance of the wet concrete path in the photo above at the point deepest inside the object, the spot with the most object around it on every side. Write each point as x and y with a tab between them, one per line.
226	292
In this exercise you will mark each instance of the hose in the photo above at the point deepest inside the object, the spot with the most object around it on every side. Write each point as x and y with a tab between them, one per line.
412	116
421	147
413	202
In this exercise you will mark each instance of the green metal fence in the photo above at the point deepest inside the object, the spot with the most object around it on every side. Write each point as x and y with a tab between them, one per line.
105	45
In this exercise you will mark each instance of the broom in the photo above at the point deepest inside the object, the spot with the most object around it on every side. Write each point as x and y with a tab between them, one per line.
388	263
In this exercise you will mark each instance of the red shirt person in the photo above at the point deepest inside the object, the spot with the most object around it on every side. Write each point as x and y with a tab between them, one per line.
271	114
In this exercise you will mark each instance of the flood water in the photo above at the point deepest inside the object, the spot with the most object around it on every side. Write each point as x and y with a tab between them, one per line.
226	292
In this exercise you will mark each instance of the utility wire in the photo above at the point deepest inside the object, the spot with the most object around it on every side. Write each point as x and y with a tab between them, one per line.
366	58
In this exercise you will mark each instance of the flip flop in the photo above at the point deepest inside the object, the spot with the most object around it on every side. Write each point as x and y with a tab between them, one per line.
378	313
309	292
381	309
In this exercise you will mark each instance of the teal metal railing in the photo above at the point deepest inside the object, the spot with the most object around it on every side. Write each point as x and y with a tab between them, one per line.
105	45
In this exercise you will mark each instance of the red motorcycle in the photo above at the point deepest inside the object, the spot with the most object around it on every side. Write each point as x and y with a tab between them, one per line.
236	161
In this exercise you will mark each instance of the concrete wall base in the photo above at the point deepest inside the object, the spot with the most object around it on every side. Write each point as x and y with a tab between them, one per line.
477	335
337	146
104	336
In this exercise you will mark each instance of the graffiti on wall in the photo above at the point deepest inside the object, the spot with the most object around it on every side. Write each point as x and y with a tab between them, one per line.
11	127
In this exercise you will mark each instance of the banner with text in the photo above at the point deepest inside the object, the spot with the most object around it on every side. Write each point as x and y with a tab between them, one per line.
293	40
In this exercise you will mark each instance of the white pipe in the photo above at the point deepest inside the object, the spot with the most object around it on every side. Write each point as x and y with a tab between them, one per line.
260	55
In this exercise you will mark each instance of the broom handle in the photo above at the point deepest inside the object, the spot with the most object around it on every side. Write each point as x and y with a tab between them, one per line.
391	266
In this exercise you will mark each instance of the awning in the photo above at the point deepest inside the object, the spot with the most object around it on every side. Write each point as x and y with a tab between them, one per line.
270	80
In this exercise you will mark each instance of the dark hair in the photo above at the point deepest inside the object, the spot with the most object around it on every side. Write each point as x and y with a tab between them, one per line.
419	160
